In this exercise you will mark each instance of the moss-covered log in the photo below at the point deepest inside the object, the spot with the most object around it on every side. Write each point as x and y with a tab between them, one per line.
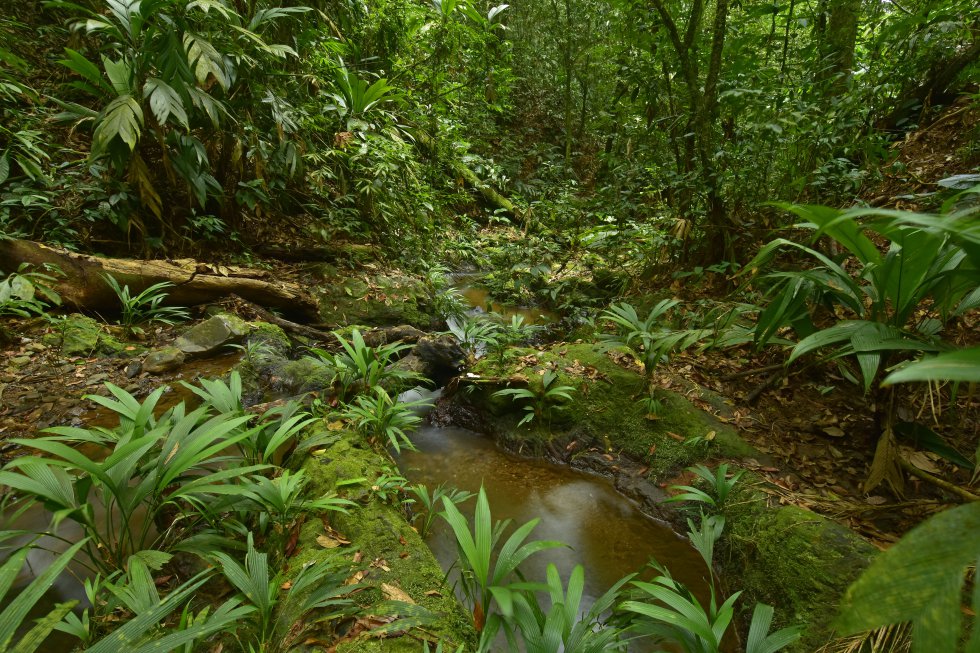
462	171
394	557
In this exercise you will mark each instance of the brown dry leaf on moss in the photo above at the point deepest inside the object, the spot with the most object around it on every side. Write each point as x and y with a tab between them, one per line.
331	539
393	593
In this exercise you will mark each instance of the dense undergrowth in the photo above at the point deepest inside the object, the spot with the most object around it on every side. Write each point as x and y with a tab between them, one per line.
614	162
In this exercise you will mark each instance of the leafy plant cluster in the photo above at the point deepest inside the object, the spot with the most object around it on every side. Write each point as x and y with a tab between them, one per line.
549	616
163	486
881	317
366	382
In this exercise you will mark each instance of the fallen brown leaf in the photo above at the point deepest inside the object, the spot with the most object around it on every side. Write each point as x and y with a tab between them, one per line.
393	593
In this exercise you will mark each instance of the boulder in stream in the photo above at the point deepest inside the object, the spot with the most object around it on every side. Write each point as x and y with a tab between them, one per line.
210	336
160	361
439	358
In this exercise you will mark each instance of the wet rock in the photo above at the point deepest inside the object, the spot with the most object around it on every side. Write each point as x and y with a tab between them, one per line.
647	494
440	358
211	335
133	369
163	360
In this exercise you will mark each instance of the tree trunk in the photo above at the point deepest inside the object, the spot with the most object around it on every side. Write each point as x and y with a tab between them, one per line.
937	86
490	196
83	286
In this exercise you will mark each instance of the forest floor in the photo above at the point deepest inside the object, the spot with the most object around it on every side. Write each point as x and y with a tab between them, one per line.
816	432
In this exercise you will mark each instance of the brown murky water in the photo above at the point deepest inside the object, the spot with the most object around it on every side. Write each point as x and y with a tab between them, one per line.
604	531
480	298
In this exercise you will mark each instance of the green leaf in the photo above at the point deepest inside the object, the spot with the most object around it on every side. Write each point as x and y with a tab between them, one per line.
962	365
122	638
35	637
164	101
78	64
120	74
122	118
840	332
16	611
919	579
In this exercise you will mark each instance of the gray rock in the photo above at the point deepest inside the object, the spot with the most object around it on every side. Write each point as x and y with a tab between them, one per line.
210	336
133	369
163	360
441	358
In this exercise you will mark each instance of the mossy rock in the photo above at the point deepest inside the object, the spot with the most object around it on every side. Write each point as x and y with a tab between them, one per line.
302	375
375	301
385	539
266	348
795	560
212	335
604	410
80	335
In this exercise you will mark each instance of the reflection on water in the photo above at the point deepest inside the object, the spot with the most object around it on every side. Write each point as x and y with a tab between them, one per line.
604	530
480	298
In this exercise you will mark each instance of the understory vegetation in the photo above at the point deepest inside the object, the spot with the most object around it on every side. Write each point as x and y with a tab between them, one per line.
578	217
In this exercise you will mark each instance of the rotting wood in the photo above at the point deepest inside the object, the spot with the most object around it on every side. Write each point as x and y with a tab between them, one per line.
286	325
83	286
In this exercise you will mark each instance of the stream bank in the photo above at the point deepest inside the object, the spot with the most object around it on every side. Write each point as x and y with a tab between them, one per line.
794	560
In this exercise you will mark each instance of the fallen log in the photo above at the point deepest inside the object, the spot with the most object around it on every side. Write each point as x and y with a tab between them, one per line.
83	285
490	196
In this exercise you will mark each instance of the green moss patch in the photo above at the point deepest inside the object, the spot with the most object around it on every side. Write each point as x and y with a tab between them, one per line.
391	552
79	335
375	301
605	410
795	560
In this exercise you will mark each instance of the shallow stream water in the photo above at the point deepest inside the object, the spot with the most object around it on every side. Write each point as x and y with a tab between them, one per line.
604	530
479	299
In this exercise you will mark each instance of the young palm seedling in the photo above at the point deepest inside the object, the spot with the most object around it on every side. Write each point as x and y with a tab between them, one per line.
561	627
719	483
542	401
359	367
277	623
668	611
476	334
642	336
281	500
382	418
147	306
487	579
148	471
430	502
510	333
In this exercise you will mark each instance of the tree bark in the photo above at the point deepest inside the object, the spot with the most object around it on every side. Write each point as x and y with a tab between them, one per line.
83	285
937	86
